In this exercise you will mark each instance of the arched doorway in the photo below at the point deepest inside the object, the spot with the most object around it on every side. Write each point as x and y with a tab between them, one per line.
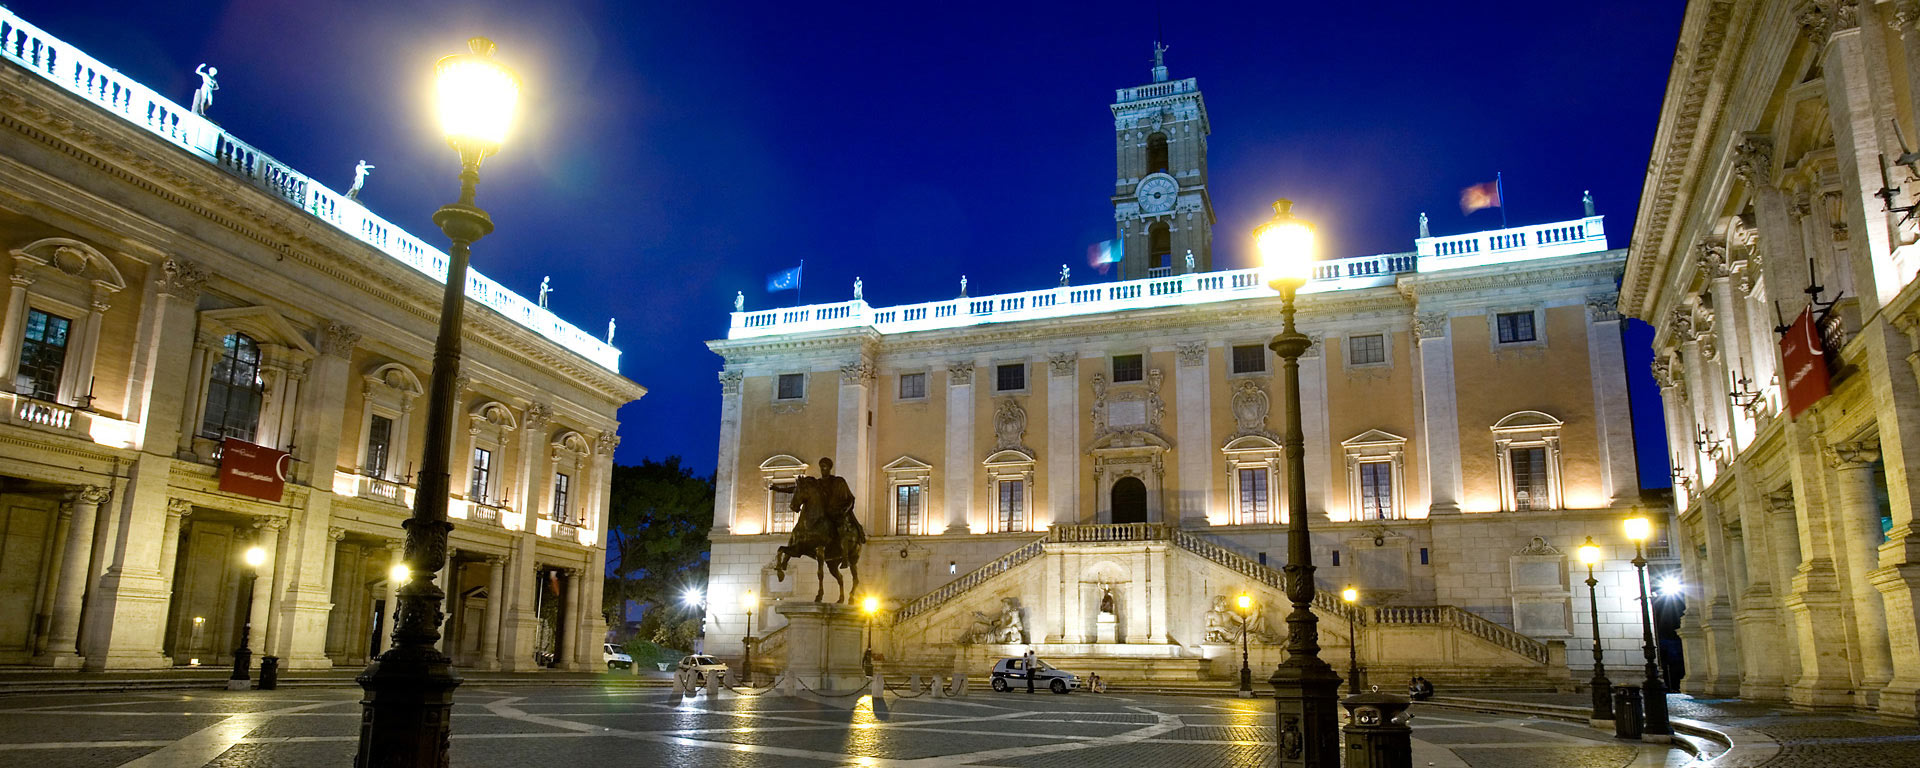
1129	499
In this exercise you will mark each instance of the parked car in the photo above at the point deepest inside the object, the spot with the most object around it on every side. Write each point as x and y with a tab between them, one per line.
1011	673
616	657
701	666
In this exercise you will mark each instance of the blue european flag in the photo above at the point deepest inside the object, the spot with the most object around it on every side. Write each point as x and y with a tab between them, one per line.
784	280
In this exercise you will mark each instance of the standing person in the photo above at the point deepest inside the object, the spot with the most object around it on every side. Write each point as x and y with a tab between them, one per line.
1029	663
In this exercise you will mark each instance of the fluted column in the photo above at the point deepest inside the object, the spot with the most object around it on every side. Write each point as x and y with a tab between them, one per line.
1860	520
64	634
567	628
396	555
496	612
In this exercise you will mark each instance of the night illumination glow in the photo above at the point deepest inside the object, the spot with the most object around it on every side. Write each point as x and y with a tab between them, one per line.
255	556
1590	553
475	98
1350	595
399	573
1639	528
1286	247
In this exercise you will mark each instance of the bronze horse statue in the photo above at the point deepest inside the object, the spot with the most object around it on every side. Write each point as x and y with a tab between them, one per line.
825	530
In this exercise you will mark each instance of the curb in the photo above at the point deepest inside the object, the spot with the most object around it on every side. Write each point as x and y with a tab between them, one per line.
1711	743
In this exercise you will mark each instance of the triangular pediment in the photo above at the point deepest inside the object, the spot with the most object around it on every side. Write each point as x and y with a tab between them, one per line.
1374	437
906	463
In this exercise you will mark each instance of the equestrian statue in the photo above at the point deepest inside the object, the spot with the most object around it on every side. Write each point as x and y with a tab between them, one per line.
824	529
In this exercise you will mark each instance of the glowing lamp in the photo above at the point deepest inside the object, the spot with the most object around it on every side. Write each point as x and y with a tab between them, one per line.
1669	586
1639	528
1590	553
399	573
692	597
255	556
1245	602
1286	248
475	98
748	600
870	604
1350	595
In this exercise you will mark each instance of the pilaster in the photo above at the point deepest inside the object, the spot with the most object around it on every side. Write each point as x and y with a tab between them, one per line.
724	499
1193	437
1439	411
1063	437
960	459
853	436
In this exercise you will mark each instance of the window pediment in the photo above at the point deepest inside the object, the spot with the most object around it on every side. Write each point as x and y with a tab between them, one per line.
1374	438
1520	422
265	325
396	379
784	464
71	258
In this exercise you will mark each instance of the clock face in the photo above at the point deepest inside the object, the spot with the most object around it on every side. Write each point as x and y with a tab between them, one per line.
1156	194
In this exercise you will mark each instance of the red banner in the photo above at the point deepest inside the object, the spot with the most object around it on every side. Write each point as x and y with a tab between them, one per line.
253	470
1806	360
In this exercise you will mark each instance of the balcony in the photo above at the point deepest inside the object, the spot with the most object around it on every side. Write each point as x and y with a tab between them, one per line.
47	416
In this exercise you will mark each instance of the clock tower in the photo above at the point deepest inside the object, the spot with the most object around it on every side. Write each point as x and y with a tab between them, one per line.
1160	205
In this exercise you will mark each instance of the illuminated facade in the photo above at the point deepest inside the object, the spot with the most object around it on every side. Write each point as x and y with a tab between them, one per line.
1020	458
173	287
1782	148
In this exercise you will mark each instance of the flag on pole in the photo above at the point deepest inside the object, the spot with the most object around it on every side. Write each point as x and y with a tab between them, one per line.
1480	196
785	280
1105	252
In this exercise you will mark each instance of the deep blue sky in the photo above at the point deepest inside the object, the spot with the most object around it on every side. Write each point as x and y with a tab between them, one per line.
672	153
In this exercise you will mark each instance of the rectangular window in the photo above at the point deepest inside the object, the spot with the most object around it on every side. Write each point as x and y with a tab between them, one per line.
782	514
1376	490
913	386
1423	555
906	509
1367	350
1515	326
42	354
562	484
1530	479
1253	496
1009	377
379	446
234	391
1249	358
1336	557
1129	368
481	475
792	386
1012	505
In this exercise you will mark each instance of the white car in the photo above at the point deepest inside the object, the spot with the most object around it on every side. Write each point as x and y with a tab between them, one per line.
616	657
701	666
1011	673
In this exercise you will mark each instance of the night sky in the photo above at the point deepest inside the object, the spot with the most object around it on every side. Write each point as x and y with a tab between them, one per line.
670	154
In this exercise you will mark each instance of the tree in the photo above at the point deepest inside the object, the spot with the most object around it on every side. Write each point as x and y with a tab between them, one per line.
656	536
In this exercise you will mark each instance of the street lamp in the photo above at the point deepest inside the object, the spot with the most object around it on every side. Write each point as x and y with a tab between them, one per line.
1352	598
1639	529
1305	686
406	713
749	602
870	605
1602	687
1245	604
242	657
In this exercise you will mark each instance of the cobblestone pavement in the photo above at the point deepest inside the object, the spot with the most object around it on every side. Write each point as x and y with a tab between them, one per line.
1807	739
583	726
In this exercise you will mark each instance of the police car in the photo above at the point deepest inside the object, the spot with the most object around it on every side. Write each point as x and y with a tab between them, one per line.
1011	673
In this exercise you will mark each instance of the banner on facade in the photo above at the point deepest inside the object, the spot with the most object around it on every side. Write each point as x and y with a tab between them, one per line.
1806	373
253	470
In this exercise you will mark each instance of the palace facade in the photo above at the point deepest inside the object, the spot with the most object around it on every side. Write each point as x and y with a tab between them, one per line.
1097	470
1775	256
181	302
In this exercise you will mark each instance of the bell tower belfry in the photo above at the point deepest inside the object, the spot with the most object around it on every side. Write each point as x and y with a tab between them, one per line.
1160	206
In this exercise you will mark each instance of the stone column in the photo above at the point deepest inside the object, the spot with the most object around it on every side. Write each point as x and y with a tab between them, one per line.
51	558
566	630
1722	659
960	459
1859	136
13	332
64	634
725	502
496	613
853	436
1440	424
396	555
1758	617
1860	520
1063	437
1194	435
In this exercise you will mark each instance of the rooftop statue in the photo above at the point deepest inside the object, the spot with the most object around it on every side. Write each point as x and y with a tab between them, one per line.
857	290
739	301
360	181
203	97
545	288
1064	274
824	529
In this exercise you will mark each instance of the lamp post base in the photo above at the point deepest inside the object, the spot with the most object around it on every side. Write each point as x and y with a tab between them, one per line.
1306	694
406	715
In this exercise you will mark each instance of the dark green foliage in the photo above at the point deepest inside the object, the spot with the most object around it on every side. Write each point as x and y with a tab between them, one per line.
657	547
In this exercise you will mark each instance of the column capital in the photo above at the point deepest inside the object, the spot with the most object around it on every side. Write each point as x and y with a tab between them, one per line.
605	443
336	534
1753	159
1780	503
571	572
496	561
857	373
1429	325
269	523
1065	363
179	507
730	382
89	494
181	279
1192	353
337	339
1853	454
960	372
1603	308
538	415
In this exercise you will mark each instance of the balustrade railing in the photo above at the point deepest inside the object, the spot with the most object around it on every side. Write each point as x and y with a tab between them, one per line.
1156	90
1109	532
86	77
1246	566
40	413
1468	621
952	589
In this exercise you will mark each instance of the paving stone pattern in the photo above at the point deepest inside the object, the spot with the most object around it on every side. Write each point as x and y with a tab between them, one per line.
1807	739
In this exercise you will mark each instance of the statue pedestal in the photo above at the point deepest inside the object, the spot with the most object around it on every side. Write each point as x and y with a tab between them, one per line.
1104	628
824	643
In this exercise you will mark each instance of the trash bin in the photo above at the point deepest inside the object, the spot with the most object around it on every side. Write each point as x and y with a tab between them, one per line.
1626	712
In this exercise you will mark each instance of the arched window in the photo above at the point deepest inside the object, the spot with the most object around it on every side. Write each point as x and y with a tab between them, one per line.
235	391
1159	250
1129	498
1157	153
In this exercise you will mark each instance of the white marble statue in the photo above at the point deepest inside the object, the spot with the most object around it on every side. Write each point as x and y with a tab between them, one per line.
1423	224
739	301
609	330
1010	628
963	286
546	287
360	181
1064	274
1222	626
1189	262
203	97
857	289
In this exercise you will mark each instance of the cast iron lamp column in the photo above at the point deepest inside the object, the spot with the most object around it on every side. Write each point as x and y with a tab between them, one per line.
1245	604
1352	598
748	601
1602	687
406	713
242	657
1305	687
1639	529
869	606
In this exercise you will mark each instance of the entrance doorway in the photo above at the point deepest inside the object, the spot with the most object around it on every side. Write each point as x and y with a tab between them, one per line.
1129	500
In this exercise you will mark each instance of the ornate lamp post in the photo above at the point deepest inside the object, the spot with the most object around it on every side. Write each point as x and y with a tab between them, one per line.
1602	687
1352	598
1305	686
869	606
242	657
748	601
406	713
1245	603
1639	529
